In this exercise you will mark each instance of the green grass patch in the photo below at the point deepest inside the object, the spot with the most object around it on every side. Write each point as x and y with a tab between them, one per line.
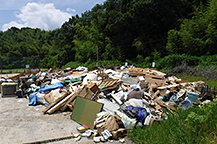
195	125
192	78
10	71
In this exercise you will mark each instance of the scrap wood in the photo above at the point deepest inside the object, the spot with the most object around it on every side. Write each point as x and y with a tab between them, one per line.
155	72
85	92
155	95
63	108
125	88
59	105
173	108
154	76
110	84
157	107
102	74
93	87
52	96
153	119
55	102
162	103
159	82
119	133
16	77
141	69
136	73
116	99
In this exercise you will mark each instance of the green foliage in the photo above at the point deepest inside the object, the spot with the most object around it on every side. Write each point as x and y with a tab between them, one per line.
73	65
195	125
121	30
208	61
174	60
110	62
156	55
197	36
140	58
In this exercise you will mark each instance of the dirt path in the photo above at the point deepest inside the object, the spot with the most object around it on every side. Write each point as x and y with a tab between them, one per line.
20	123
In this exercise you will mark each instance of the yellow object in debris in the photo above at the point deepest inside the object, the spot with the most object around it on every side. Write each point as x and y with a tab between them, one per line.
21	84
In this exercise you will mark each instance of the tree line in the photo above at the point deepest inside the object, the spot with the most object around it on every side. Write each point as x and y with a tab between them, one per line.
119	30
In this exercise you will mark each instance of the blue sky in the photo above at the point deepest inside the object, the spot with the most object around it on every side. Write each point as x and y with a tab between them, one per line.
43	14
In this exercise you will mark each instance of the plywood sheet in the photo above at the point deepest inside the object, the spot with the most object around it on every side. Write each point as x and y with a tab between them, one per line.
85	111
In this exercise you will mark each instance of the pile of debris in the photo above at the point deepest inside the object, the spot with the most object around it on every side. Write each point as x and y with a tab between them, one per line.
108	102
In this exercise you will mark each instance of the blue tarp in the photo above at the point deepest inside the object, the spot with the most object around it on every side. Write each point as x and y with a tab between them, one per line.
33	98
51	87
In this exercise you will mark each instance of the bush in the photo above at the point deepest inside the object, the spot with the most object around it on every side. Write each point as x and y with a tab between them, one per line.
73	65
195	125
171	61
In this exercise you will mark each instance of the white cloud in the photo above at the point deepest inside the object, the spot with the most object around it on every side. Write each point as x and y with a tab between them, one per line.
43	16
70	10
12	23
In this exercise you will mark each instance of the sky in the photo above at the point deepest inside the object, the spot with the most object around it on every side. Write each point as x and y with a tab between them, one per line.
43	14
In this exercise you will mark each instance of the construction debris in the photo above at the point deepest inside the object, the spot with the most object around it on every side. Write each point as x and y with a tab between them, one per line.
108	102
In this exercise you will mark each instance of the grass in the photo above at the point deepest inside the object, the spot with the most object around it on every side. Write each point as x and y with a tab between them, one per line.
10	71
191	78
195	125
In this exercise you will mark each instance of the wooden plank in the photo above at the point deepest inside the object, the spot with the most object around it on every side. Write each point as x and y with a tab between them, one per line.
54	103
85	92
116	99
63	108
58	105
154	76
111	87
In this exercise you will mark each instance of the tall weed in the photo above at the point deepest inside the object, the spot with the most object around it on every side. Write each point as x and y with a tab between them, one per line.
195	125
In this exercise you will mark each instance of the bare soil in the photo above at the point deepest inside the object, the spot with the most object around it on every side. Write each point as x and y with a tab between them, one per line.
20	123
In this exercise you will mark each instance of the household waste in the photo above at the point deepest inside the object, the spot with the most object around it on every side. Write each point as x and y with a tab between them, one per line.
111	101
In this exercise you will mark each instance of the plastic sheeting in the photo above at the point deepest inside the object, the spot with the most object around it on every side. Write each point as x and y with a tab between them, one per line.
51	87
33	98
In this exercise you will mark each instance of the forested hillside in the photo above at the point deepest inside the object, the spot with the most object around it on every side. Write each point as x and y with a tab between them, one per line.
120	30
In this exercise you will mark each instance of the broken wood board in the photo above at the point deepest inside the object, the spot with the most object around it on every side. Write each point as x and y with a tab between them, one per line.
155	72
93	87
117	99
136	73
59	104
52	96
159	82
154	76
64	107
163	104
55	102
140	69
109	84
85	111
85	92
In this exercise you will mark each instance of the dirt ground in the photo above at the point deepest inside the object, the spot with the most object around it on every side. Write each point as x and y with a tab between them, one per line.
20	123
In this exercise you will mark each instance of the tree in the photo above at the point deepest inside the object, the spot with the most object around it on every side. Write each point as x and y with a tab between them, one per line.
197	36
